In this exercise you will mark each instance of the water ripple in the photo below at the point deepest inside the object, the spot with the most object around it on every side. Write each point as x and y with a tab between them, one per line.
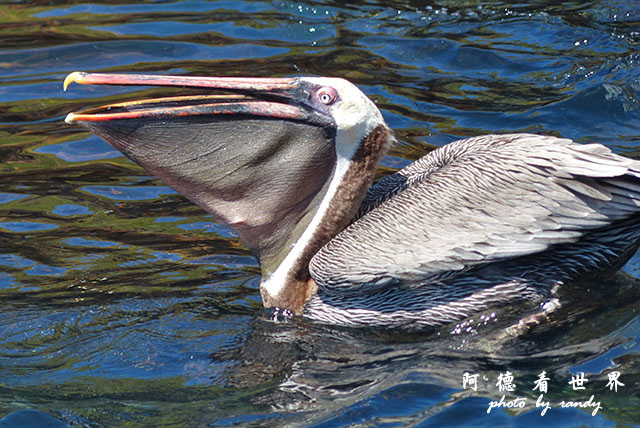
129	193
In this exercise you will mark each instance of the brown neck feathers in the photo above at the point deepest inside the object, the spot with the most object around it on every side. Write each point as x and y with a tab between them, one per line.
299	286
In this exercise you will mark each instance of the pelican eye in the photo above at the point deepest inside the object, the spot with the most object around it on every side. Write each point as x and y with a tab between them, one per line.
327	95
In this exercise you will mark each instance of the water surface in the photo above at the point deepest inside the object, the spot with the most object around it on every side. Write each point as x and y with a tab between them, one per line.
125	305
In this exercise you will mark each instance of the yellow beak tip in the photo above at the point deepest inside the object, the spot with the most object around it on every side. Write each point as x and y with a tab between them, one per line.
76	76
70	118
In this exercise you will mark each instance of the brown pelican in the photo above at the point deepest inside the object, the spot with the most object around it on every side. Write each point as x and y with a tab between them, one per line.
288	163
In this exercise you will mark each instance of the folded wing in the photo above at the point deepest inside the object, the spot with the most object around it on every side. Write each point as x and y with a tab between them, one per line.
478	201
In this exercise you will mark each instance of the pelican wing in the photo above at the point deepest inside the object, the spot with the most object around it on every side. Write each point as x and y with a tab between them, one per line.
478	201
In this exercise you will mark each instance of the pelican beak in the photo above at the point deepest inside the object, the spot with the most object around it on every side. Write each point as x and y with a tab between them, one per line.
279	98
236	154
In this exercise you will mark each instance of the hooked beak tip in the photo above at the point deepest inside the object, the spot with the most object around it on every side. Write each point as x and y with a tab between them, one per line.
71	117
76	77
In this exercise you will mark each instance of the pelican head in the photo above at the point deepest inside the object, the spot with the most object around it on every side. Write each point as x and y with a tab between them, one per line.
285	162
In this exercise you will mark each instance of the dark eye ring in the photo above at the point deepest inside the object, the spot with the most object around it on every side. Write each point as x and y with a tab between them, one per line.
327	95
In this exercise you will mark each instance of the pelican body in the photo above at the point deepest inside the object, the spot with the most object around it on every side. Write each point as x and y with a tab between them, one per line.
288	163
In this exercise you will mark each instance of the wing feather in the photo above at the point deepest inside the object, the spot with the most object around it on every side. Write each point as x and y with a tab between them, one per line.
478	201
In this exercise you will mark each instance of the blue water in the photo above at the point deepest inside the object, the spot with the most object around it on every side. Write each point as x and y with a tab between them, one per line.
125	305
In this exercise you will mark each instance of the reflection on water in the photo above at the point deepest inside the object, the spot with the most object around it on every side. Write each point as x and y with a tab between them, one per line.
123	304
